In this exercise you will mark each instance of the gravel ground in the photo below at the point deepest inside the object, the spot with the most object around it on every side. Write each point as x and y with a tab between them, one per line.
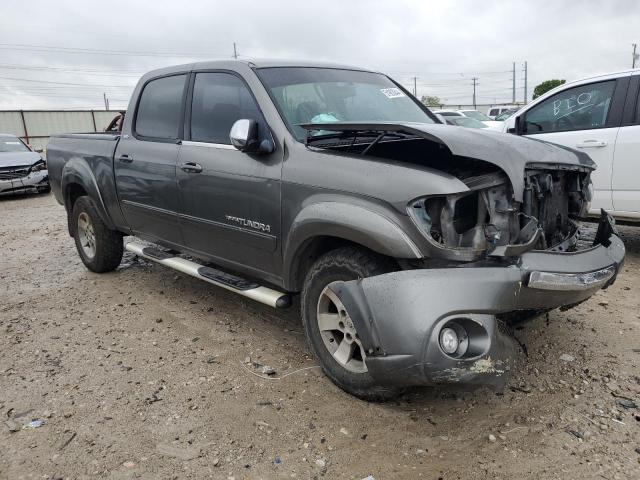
143	373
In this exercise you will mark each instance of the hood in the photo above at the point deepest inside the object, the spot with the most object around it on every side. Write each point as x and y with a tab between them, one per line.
18	159
511	153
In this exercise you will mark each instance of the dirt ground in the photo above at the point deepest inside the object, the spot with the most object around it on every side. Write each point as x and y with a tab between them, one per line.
142	373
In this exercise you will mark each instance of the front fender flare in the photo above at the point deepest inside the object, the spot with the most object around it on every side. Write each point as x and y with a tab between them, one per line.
351	222
77	171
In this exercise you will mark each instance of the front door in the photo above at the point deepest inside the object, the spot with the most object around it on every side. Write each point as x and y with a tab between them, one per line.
145	162
582	118
626	161
229	200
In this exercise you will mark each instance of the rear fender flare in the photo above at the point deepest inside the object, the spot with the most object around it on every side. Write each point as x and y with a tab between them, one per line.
354	223
77	171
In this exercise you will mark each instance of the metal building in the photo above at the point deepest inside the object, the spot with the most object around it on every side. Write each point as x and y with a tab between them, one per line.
35	126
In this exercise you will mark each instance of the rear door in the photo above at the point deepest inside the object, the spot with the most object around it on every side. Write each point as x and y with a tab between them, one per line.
229	200
626	161
585	117
145	161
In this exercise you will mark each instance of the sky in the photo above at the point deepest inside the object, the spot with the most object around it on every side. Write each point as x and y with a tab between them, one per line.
67	54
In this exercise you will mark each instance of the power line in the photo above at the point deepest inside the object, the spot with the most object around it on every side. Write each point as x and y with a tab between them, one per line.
67	70
63	83
47	48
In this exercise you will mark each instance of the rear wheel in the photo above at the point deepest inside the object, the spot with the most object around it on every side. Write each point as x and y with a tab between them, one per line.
328	325
99	247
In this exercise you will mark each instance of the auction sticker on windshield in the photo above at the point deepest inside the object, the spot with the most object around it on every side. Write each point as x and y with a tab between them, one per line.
392	92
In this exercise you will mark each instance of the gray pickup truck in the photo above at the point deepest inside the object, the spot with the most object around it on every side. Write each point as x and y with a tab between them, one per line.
410	243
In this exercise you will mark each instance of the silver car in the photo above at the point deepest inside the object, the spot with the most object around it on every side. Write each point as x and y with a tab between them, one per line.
21	169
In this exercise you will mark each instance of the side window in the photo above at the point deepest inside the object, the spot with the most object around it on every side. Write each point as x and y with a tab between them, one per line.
494	112
159	108
219	99
578	108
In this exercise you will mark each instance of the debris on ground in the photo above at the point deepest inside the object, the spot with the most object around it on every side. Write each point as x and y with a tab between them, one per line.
267	370
33	424
626	403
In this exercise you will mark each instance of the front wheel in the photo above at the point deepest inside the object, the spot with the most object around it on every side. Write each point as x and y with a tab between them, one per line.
328	326
99	247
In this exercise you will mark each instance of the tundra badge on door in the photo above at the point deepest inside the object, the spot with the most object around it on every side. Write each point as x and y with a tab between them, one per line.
249	223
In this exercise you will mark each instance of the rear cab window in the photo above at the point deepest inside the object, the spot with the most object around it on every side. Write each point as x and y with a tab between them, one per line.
160	108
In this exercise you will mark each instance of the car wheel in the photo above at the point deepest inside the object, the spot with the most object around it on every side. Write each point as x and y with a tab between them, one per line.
99	247
328	326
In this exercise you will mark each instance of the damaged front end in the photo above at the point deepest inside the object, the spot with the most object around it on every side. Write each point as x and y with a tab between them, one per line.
488	221
510	241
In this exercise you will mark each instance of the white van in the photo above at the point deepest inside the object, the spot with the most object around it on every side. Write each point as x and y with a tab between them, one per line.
600	116
496	110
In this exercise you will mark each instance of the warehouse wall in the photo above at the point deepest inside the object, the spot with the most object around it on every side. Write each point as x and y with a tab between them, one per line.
35	126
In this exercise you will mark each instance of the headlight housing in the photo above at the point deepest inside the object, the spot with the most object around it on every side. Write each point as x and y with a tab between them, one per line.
39	166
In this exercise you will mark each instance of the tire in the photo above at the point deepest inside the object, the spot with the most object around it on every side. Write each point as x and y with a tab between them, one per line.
99	247
347	263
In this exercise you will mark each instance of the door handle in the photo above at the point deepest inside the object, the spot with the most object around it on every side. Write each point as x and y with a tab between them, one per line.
125	158
191	167
591	144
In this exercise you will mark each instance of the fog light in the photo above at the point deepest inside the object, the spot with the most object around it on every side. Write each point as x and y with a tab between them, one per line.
449	340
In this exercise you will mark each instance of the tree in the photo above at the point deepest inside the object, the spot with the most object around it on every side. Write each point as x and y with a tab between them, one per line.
430	101
545	86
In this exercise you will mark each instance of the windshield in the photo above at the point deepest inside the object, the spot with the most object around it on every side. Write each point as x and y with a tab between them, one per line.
476	114
325	95
12	144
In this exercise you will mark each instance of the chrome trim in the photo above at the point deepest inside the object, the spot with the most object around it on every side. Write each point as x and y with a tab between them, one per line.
261	294
571	281
221	146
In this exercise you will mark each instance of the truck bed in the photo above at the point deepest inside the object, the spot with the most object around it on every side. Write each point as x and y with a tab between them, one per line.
86	158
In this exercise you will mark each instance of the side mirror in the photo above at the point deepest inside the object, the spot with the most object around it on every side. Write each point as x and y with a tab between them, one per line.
244	136
516	129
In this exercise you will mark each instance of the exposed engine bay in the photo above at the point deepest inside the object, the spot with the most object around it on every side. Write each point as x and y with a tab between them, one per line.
488	220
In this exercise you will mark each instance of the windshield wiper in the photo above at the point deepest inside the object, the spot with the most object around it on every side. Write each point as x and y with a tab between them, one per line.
376	135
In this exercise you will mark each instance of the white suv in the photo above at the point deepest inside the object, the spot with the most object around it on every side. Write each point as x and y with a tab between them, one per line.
600	116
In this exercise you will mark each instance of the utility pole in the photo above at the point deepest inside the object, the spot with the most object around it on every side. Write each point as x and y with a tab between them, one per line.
415	86
513	81
235	51
475	82
525	83
635	55
106	101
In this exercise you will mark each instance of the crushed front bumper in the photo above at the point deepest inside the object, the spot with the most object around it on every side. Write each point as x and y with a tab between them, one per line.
399	316
34	181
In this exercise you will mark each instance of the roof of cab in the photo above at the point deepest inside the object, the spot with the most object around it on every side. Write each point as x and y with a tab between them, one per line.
252	63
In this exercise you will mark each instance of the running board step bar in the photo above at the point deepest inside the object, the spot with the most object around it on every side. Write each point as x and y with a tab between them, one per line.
219	278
